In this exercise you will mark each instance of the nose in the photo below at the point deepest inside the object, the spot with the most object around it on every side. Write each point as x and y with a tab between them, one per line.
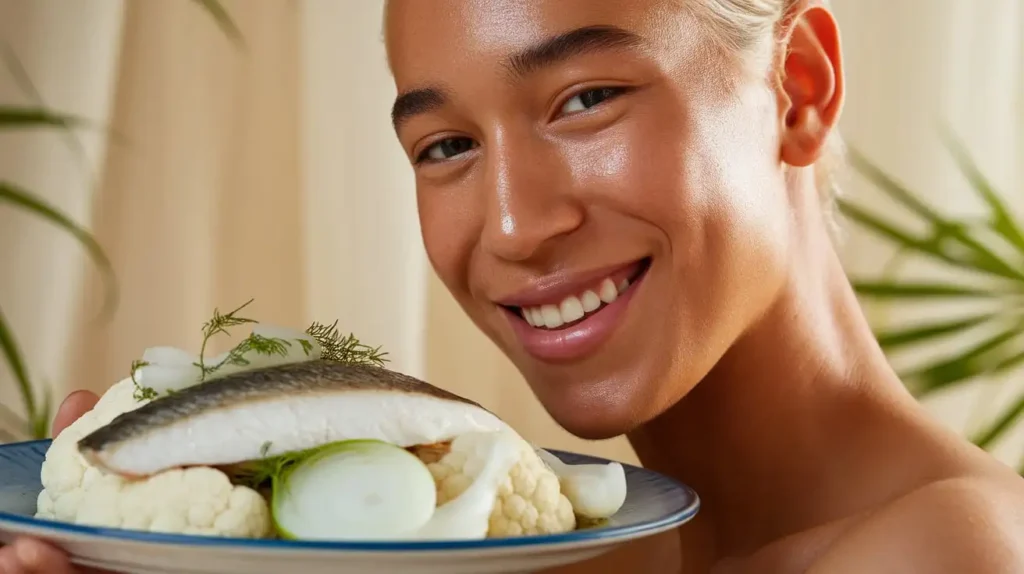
530	198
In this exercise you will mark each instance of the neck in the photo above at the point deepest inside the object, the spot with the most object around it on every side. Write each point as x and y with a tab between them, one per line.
771	437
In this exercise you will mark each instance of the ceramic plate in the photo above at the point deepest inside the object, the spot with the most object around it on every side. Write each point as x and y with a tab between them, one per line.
655	503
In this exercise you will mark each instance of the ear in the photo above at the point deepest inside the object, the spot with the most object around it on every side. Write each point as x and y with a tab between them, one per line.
811	86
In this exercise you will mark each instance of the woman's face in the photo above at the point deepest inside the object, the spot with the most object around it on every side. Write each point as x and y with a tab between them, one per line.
600	191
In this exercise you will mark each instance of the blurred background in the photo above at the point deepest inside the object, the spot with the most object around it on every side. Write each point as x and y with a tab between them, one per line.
220	159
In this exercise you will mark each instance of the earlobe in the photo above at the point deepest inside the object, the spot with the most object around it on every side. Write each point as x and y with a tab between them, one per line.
812	87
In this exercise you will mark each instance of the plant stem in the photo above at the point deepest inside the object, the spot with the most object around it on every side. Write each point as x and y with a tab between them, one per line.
17	365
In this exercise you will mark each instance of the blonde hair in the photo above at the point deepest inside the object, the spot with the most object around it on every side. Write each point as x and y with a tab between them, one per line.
750	30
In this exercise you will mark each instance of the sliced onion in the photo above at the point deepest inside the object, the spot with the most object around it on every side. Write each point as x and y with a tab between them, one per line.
164	378
594	490
358	489
168	369
173	369
467	516
169	356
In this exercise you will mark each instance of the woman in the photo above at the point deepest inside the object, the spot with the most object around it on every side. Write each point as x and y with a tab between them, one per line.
629	199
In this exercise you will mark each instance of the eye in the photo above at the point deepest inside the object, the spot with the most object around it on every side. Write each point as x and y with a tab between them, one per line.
446	149
585	100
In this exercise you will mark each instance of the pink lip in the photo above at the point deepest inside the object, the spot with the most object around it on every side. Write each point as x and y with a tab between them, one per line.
579	339
554	288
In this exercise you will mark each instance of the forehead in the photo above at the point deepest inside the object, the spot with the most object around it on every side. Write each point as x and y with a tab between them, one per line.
427	37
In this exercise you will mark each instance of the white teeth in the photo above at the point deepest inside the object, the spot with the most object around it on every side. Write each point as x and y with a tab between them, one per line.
572	309
590	301
608	291
528	316
538	317
552	317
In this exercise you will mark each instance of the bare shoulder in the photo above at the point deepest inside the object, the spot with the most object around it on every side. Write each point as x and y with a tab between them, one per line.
955	525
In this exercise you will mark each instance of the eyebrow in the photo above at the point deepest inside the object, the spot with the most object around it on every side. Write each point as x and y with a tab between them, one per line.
545	53
419	101
562	47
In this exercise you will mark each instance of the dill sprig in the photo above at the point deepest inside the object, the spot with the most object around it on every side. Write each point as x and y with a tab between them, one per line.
257	343
344	348
219	324
334	347
141	393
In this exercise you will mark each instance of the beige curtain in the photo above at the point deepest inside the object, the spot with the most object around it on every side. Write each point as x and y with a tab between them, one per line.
271	173
268	172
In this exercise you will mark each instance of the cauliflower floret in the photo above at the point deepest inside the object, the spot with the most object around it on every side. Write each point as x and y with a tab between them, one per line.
529	501
183	501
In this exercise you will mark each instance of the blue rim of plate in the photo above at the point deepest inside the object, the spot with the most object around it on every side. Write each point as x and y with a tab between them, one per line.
576	536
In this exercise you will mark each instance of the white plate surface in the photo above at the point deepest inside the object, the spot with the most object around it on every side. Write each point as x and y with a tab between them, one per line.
655	503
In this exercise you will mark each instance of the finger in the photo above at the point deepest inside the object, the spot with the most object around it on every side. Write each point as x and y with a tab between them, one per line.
77	404
9	563
36	557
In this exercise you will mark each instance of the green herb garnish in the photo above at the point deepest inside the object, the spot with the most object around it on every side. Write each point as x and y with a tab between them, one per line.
334	347
344	348
141	393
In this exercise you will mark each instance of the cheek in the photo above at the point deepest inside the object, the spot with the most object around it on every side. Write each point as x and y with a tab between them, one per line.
731	200
448	231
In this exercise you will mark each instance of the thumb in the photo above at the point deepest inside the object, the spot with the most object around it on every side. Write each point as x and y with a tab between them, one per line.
74	406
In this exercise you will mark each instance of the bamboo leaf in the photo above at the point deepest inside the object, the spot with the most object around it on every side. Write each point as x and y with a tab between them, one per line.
1002	220
897	338
1002	424
28	201
918	290
223	20
34	117
970	363
40	425
892	188
929	247
20	75
944	230
16	363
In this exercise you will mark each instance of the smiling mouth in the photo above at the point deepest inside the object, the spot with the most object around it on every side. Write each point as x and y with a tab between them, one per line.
575	309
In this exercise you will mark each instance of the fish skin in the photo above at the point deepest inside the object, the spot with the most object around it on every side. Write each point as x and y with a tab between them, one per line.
269	383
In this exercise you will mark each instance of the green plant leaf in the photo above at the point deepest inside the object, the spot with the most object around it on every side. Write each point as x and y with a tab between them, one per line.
20	76
224	20
33	117
896	338
16	363
1002	220
1002	424
41	423
944	232
918	290
931	247
972	362
892	188
33	204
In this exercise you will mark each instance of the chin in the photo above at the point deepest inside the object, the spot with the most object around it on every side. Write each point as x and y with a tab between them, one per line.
598	411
